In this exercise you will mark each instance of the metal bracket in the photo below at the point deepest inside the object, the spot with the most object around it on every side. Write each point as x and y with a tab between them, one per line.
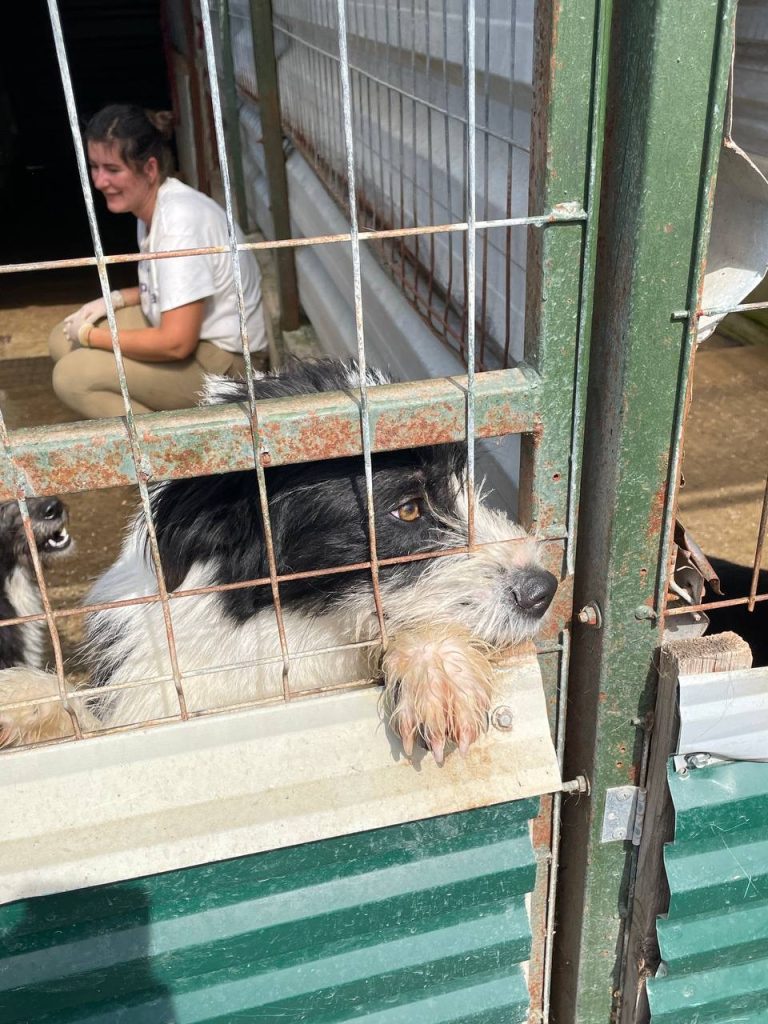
623	815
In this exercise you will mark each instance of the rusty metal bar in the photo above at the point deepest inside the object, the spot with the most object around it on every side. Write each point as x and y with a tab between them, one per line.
563	213
274	157
759	549
713	605
68	457
261	581
743	307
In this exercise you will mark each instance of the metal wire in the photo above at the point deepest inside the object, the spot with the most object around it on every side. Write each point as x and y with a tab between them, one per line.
252	410
401	184
358	299
374	159
566	213
141	466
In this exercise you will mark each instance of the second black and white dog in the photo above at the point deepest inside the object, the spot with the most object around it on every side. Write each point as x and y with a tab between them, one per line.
24	643
444	616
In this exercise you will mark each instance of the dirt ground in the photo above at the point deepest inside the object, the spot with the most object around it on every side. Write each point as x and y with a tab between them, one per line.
726	449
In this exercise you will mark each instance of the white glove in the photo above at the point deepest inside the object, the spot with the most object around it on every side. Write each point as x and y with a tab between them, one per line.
90	313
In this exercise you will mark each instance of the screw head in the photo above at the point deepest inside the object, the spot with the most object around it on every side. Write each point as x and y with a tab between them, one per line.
502	718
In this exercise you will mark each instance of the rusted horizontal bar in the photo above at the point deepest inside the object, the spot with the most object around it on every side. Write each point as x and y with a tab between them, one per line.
686	609
563	213
95	454
742	307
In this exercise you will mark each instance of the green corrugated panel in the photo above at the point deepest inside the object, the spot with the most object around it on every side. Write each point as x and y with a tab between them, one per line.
421	921
714	941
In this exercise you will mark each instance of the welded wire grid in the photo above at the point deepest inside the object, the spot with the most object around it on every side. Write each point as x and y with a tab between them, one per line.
352	91
753	598
408	64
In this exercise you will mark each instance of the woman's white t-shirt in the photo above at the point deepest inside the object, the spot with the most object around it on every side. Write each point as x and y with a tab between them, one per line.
184	218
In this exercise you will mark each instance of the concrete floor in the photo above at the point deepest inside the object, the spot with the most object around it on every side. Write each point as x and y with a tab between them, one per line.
726	450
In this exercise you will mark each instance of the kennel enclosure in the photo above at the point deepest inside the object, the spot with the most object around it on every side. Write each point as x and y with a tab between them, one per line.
435	222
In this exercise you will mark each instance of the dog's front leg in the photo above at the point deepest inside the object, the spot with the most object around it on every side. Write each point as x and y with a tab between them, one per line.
438	685
44	720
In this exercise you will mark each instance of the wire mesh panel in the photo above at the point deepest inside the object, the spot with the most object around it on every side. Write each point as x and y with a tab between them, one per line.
409	120
417	119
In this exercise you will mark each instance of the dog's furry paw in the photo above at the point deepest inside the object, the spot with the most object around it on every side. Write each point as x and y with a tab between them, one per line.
438	684
32	723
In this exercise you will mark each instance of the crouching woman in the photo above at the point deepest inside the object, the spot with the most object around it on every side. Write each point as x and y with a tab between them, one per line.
181	321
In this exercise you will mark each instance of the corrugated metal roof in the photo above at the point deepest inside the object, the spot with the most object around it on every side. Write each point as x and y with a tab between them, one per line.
422	921
714	940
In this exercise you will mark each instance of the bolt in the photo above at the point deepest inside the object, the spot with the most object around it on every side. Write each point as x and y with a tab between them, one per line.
590	615
502	718
644	612
578	785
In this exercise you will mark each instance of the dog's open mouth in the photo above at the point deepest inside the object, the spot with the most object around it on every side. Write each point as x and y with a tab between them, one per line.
59	540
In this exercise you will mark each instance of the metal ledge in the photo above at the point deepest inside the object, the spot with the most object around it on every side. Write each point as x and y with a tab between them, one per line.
132	804
90	455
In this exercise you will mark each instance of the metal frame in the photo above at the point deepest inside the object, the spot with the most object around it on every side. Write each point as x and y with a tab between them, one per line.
654	225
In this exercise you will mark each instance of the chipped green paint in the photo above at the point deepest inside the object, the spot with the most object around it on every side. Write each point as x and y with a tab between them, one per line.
666	87
71	457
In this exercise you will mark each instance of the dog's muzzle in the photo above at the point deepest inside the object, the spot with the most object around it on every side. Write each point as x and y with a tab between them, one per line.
533	590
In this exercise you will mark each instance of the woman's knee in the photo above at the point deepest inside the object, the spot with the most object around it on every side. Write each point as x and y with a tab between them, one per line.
59	344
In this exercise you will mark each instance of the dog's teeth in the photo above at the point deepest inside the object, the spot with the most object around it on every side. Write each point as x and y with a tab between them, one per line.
60	539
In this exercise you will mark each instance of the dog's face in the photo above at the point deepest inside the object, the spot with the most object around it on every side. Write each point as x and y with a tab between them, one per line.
49	524
319	520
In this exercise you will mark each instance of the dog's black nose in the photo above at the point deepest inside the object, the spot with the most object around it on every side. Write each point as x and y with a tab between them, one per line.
52	509
534	589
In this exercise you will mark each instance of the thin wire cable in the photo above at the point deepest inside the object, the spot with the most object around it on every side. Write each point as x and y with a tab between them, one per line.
252	409
759	550
358	298
143	471
470	270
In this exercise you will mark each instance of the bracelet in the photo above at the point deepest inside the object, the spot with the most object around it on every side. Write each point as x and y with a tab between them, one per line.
84	334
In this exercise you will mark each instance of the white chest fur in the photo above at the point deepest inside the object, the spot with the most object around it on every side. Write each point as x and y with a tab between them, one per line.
24	595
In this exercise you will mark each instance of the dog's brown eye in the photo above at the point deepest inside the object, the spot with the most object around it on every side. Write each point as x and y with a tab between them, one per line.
408	511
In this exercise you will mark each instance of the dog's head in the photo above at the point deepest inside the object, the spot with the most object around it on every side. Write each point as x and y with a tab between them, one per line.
49	518
320	520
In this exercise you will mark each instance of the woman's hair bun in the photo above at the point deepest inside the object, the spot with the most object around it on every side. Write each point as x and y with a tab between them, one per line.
162	120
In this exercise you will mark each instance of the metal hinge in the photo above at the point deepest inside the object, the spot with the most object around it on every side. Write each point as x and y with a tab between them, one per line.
624	815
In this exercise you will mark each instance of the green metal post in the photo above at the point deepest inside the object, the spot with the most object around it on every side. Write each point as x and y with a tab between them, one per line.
667	88
566	144
272	139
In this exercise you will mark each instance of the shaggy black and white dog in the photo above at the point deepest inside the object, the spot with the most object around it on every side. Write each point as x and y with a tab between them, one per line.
444	616
24	643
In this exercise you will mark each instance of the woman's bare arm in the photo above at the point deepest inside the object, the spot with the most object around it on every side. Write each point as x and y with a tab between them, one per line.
175	338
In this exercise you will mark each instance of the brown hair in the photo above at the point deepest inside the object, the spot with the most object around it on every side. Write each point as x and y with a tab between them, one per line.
138	134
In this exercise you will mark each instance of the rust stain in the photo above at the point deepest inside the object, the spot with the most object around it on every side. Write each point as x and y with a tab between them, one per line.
437	424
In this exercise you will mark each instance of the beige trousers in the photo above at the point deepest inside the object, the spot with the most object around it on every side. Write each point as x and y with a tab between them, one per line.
86	379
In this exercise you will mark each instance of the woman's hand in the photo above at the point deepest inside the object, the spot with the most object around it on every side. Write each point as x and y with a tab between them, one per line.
89	314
